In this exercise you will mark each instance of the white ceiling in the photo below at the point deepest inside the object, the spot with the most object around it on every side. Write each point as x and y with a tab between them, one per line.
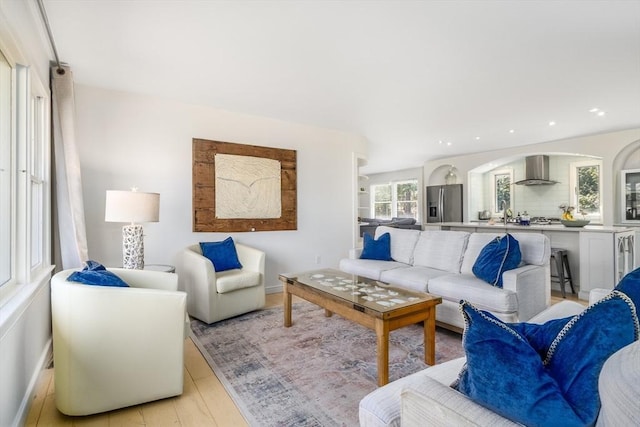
403	74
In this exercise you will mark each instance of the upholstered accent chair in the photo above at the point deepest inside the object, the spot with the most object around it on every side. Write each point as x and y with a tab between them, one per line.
115	347
214	296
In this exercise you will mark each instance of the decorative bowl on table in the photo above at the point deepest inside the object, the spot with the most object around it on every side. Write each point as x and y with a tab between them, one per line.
574	222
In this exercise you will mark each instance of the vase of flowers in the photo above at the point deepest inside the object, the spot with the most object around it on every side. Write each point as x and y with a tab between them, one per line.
567	211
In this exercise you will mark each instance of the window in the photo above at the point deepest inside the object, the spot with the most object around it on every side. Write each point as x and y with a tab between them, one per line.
585	183
24	177
6	171
501	189
395	199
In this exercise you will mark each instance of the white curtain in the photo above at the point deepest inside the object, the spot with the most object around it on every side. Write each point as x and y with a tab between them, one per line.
70	237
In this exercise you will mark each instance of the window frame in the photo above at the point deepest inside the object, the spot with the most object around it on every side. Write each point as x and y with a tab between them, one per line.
394	198
494	191
573	188
28	247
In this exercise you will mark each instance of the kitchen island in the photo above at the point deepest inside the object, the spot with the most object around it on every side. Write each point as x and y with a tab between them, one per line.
598	255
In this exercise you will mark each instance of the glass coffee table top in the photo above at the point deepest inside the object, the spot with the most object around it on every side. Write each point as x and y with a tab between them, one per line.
373	294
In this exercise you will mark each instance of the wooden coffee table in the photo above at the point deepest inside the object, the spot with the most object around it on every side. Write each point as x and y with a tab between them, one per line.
370	303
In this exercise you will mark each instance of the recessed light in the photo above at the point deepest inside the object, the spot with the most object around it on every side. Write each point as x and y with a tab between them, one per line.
477	138
440	142
512	130
601	113
449	143
552	123
593	110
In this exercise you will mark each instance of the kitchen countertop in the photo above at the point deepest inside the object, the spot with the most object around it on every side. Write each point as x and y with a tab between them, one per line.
535	227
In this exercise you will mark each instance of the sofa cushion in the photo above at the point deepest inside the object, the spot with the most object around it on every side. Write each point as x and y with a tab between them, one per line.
442	250
619	387
379	248
381	407
497	256
232	280
506	374
96	274
223	255
403	242
468	287
369	268
534	248
412	278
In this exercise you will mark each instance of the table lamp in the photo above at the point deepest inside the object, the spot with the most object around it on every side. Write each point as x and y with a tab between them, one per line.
132	207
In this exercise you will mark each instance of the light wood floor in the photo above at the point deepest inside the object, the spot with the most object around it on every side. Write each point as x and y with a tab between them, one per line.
204	401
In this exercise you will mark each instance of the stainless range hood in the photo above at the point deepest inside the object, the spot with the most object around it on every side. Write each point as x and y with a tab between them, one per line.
536	171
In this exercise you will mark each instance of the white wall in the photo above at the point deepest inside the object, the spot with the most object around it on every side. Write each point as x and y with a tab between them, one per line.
130	140
608	146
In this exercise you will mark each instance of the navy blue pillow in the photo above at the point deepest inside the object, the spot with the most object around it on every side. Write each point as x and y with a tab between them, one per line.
95	274
498	256
507	374
223	254
379	249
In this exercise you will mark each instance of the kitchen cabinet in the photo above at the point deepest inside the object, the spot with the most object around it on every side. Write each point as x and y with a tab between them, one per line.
604	259
630	194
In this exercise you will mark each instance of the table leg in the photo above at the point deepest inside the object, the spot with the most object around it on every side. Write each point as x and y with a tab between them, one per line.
286	300
382	334
430	337
327	313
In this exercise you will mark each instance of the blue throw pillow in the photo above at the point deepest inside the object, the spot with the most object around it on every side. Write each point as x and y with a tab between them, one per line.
630	285
522	381
505	374
541	336
223	254
584	344
498	256
379	249
95	274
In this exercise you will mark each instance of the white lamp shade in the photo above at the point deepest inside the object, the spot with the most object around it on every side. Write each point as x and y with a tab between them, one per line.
131	206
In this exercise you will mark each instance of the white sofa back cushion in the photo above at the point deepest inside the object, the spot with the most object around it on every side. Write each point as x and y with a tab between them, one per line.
442	250
532	247
403	242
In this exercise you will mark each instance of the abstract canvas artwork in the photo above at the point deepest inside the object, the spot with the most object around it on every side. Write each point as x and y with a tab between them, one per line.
247	187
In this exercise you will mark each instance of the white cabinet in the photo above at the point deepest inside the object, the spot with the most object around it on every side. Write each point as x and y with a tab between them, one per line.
604	259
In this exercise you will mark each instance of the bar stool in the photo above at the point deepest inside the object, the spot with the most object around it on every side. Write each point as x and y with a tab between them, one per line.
560	257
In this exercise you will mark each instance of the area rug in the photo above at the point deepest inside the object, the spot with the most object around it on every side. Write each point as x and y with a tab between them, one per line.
315	372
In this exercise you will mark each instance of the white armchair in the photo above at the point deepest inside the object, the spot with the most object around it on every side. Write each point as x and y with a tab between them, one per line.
214	296
117	347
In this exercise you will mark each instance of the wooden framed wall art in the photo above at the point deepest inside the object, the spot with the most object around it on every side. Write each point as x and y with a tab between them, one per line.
238	187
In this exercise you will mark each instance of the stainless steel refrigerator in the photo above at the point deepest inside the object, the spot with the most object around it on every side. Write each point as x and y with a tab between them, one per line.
444	203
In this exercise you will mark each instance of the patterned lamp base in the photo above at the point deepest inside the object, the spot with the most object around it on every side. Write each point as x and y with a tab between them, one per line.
132	247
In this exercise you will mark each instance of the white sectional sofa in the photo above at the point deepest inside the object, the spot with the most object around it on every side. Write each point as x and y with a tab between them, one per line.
440	263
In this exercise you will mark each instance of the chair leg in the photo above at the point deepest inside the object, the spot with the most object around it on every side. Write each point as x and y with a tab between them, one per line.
560	270
565	260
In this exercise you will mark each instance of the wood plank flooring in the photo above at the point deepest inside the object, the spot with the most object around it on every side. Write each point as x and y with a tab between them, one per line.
204	401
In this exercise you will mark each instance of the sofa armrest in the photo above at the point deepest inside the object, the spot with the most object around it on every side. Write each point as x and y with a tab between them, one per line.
432	403
532	287
251	259
147	279
355	253
196	276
